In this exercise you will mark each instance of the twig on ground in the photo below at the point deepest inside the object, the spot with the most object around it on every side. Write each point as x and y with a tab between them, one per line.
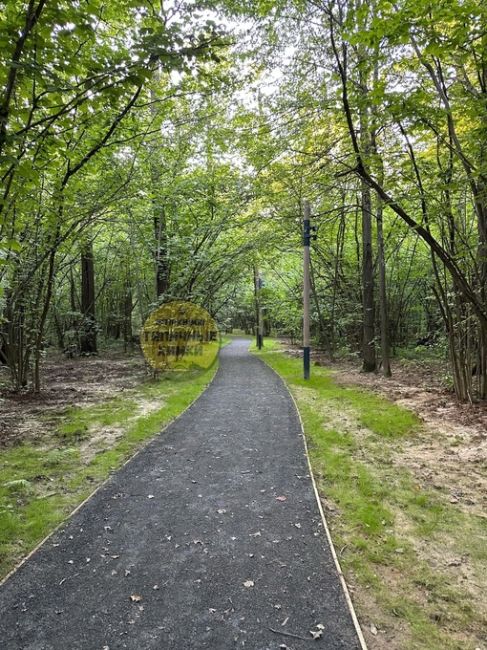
294	636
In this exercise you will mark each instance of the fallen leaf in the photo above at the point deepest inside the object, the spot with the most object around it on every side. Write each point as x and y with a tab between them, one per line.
135	598
248	583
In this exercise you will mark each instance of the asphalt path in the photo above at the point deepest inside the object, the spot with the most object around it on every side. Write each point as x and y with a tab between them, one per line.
210	537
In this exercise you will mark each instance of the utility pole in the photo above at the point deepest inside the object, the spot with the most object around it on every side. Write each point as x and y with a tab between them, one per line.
258	283
256	304
306	286
261	328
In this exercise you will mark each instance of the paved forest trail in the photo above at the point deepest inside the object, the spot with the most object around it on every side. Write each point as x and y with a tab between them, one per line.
208	538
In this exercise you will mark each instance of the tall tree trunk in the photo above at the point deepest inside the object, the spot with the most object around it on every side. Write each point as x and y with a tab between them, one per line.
162	269
49	286
368	346
88	329
368	302
128	308
381	258
384	312
160	235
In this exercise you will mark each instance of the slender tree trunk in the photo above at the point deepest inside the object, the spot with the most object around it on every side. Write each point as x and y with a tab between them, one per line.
368	347
322	337
160	235
368	302
384	312
88	336
128	307
158	212
59	327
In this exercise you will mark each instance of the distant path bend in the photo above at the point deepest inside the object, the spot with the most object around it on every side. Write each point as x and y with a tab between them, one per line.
209	538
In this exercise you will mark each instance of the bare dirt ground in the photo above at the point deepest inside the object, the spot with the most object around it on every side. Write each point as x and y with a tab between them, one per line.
66	383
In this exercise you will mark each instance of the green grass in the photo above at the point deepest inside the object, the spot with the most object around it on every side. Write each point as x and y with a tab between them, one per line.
78	421
382	513
41	484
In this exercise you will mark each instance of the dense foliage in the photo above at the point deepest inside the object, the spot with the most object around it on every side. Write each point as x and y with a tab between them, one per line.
154	152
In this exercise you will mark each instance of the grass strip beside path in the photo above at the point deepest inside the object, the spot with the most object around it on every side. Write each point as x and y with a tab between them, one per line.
41	484
392	534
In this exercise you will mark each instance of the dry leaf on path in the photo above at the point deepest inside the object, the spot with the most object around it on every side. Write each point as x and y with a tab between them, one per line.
318	633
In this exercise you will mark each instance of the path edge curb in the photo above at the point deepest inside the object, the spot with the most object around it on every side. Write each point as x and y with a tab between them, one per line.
351	608
5	579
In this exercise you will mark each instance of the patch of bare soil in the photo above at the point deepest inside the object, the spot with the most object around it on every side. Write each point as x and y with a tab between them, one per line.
107	436
451	454
81	381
